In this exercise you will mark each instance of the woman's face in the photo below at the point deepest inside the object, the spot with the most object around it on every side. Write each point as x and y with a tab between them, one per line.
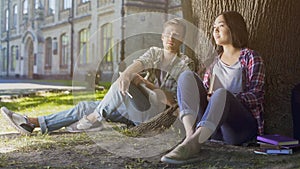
172	38
221	32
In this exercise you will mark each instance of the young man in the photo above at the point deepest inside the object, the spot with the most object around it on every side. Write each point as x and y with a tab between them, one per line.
118	105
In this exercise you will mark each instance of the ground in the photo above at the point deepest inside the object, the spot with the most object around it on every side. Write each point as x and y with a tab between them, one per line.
82	150
69	150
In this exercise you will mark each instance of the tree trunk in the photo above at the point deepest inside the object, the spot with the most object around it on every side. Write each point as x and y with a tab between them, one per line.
274	31
155	125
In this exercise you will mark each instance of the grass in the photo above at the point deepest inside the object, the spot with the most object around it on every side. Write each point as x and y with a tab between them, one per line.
46	103
61	82
39	105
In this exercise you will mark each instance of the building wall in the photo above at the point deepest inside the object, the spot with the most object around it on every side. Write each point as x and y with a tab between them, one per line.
38	25
1	23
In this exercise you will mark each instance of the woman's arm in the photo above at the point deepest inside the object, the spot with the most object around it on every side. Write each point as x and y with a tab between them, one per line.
254	92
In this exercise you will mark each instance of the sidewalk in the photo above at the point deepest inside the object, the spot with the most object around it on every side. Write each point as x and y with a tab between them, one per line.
13	88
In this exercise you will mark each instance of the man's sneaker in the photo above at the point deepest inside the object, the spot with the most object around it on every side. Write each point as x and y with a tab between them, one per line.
97	126
19	122
84	123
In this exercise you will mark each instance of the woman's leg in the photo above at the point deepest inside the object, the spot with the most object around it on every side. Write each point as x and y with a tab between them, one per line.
236	124
205	128
226	113
192	101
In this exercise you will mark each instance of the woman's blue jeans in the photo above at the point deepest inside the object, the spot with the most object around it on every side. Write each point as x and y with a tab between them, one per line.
223	114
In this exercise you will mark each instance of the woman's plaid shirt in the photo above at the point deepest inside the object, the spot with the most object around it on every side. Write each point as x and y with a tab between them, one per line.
253	84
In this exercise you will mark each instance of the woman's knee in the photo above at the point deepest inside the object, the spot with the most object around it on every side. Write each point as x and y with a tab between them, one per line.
220	92
186	78
185	75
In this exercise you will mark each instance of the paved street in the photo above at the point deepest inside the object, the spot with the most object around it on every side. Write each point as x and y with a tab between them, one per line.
16	87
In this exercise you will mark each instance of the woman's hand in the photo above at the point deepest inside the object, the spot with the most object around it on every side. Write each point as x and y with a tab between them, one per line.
208	96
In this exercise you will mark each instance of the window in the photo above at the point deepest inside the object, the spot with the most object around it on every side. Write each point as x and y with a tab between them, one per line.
13	58
6	19
48	53
64	55
4	59
37	4
25	7
84	1
15	16
51	7
107	44
84	46
67	4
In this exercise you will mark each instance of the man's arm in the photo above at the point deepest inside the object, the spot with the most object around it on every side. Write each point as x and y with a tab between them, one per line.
165	96
129	73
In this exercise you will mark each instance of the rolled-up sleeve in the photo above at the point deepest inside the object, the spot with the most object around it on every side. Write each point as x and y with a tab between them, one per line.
149	58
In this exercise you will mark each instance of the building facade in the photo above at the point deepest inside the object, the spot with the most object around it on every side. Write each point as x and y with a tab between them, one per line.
55	38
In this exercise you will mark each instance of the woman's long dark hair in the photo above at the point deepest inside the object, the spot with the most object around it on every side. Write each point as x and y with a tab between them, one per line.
238	29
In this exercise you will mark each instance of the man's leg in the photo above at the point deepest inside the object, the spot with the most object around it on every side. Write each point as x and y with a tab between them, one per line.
111	101
65	118
51	122
114	101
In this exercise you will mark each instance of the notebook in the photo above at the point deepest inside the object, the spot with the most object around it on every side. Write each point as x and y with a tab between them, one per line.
215	84
277	139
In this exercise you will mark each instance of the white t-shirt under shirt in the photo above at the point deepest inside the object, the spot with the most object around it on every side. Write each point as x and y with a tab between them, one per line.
229	76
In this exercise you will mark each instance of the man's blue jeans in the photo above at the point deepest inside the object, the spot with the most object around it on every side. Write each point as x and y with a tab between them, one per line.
113	102
65	118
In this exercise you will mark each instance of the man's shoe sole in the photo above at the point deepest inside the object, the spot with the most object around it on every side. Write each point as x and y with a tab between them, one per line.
11	122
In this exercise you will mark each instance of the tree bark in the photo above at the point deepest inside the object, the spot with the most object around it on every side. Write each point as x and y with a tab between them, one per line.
155	125
274	32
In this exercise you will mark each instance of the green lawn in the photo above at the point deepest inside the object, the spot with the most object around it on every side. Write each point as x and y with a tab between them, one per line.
46	103
54	150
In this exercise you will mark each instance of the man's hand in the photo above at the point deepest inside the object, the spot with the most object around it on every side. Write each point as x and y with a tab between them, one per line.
165	97
124	82
128	74
138	79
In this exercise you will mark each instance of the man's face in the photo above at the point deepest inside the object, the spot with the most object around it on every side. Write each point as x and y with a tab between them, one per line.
172	38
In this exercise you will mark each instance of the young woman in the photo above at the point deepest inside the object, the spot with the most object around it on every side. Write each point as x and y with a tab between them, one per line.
231	113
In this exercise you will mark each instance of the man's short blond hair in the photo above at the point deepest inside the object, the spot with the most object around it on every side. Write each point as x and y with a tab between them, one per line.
176	22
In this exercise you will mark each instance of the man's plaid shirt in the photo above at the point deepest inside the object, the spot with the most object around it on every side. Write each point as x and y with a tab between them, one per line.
165	79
